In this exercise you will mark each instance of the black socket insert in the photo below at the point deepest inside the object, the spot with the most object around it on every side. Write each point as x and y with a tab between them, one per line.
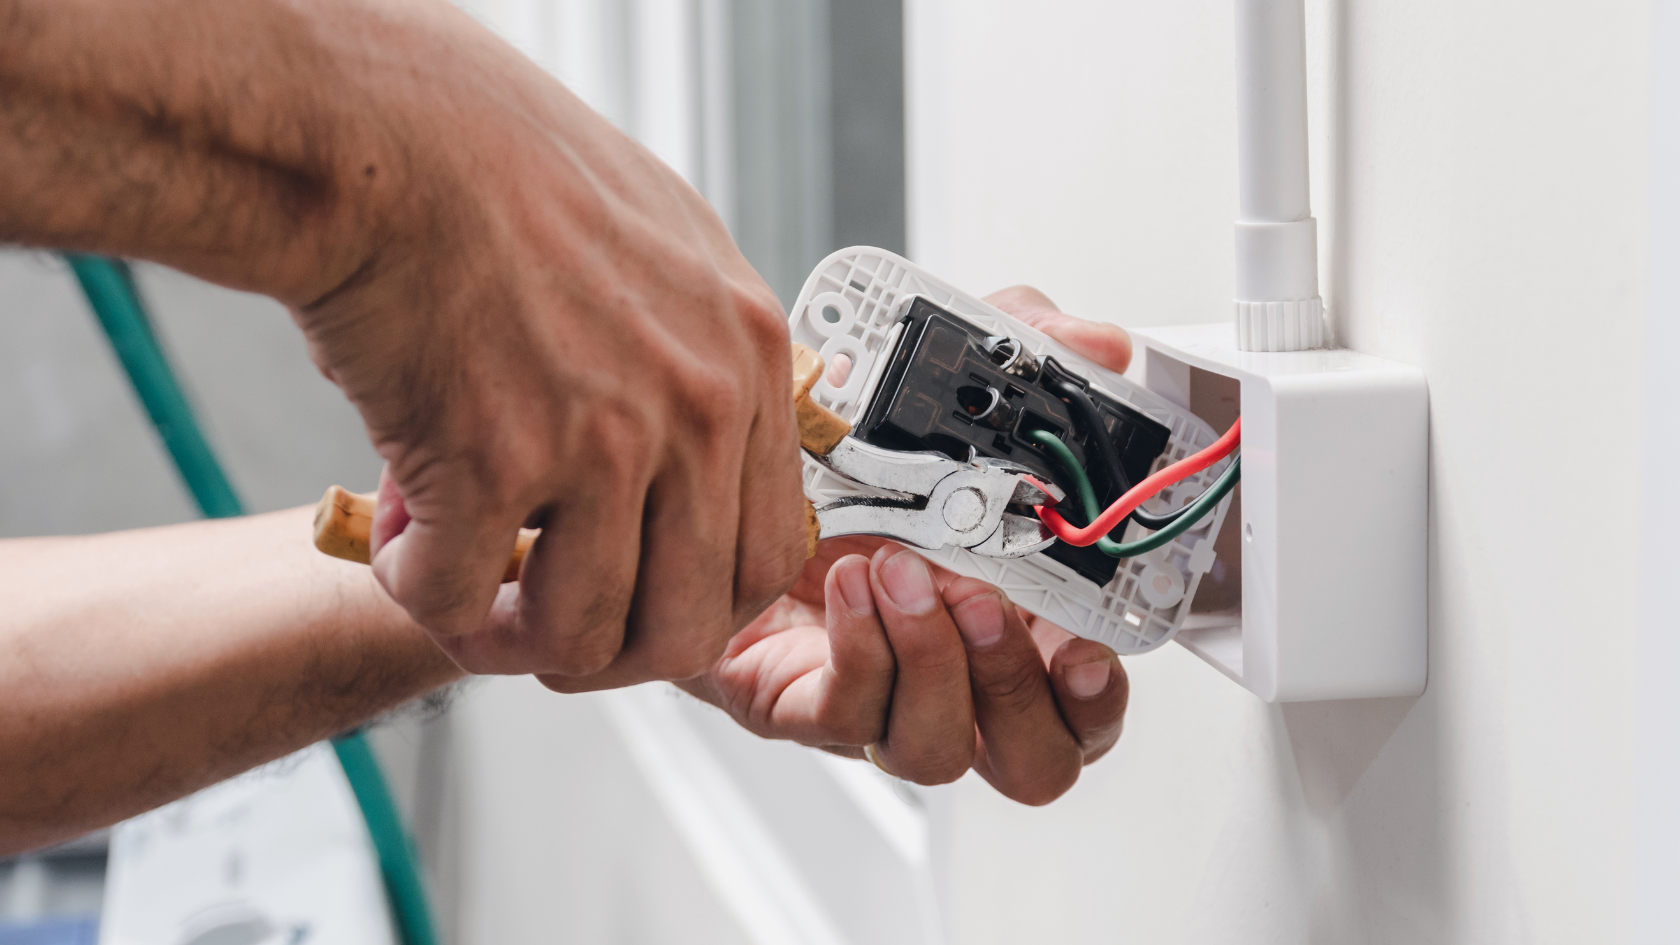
949	387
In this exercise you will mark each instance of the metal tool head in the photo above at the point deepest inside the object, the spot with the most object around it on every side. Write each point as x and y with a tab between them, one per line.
935	502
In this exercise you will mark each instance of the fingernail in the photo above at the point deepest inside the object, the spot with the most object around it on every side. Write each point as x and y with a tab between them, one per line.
1088	680
854	587
909	583
980	620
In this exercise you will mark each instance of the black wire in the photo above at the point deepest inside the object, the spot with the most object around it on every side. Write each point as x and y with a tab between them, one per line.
1082	402
1155	522
1106	453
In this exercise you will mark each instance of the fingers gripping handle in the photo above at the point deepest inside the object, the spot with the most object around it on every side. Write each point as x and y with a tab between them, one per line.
344	519
344	526
820	429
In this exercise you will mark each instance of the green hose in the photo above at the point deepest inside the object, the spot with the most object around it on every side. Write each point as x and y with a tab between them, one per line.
110	290
396	851
116	303
1088	498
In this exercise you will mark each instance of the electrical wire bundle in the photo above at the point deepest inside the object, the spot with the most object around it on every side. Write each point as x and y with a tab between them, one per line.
1099	524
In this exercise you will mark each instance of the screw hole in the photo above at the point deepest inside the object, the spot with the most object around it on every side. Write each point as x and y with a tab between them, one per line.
831	314
1248	531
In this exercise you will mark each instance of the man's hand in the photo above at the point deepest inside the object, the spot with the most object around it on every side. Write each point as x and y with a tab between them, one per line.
562	333
939	673
539	322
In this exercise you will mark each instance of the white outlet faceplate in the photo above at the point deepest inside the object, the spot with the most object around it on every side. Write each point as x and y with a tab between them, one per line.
1334	514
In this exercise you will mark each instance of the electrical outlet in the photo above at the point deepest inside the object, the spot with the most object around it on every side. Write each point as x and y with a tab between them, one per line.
980	385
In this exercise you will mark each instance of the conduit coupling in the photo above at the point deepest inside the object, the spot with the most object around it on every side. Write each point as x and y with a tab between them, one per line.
1277	303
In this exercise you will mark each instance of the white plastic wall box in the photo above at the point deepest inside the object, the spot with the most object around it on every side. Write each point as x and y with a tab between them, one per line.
1334	502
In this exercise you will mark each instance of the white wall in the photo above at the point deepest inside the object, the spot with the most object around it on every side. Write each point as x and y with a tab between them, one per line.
1480	174
1658	819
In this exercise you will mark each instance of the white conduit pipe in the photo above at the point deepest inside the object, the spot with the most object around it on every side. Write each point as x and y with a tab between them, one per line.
1277	303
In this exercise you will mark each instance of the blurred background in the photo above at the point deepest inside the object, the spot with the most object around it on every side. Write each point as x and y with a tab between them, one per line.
1483	176
789	118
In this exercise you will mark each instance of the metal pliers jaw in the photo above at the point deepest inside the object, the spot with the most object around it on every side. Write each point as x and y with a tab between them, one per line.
935	502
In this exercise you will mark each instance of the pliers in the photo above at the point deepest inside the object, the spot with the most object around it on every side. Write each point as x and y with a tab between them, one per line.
933	501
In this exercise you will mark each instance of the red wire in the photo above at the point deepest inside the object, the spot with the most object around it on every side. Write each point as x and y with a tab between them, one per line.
1138	494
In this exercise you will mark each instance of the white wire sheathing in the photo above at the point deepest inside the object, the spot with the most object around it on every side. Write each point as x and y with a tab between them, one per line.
1277	303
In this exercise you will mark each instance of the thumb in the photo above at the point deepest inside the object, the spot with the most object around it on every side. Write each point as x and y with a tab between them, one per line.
390	513
1106	344
444	569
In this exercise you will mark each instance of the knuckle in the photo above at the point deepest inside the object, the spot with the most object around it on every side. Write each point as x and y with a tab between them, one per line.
503	473
504	490
608	615
694	665
618	440
850	727
1015	689
779	570
713	399
768	570
938	655
438	608
677	666
588	646
496	459
963	588
761	314
686	662
440	598
582	658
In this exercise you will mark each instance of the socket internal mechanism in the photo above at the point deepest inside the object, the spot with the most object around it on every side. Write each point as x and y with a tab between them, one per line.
953	388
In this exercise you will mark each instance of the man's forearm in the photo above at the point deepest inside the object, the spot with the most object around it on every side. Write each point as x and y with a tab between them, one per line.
139	666
244	141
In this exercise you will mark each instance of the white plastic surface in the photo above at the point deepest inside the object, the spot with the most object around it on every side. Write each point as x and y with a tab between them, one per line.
1335	505
1277	304
1280	326
850	304
276	855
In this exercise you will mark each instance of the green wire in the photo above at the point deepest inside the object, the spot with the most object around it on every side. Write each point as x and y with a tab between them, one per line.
116	302
1088	498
